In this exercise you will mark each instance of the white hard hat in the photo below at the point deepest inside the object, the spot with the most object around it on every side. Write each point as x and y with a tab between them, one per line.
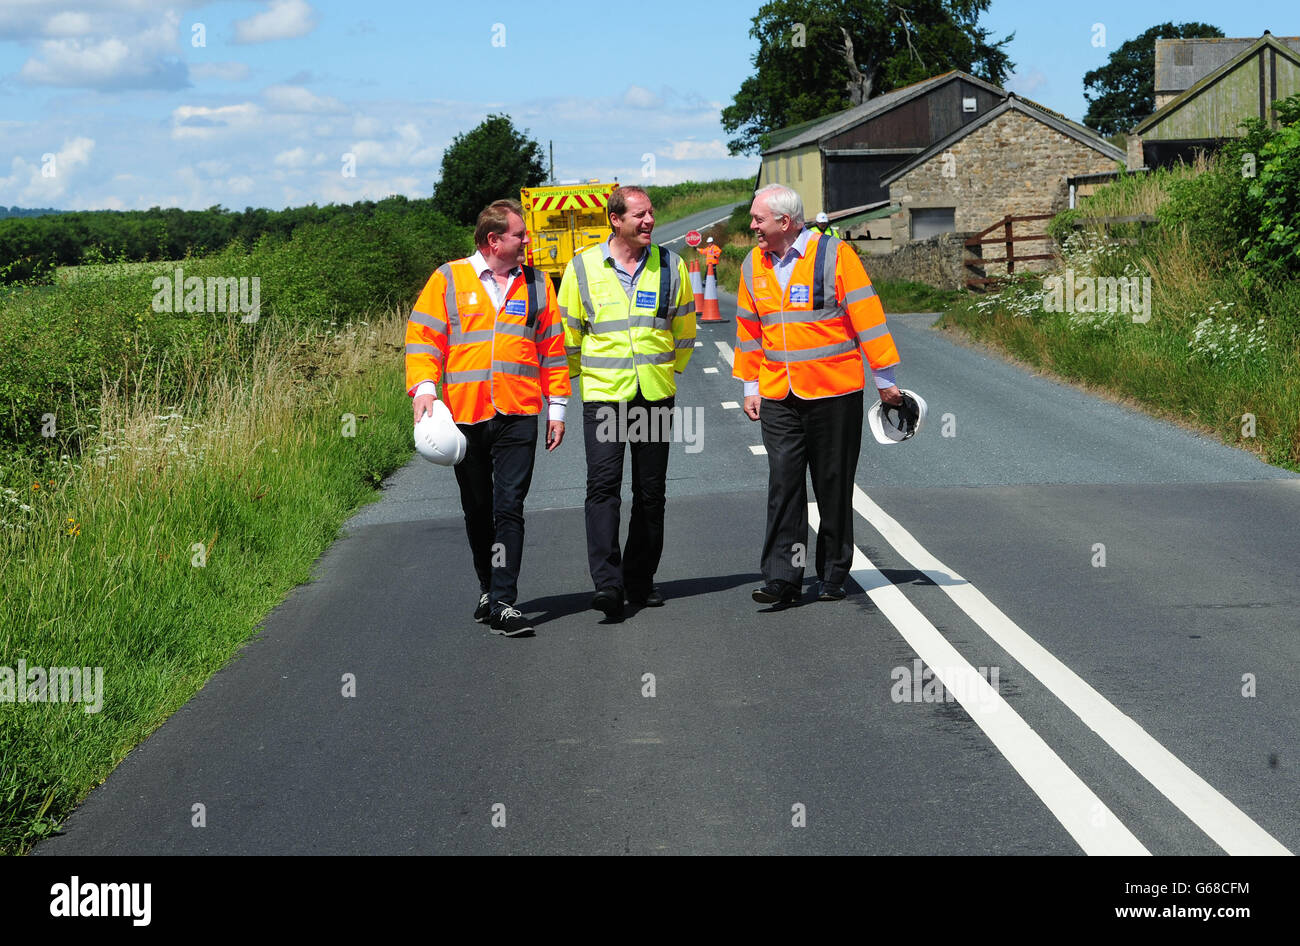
438	438
710	239
894	423
822	218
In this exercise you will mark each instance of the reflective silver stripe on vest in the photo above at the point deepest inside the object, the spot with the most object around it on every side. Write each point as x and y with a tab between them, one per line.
557	328
749	344
685	343
660	358
510	367
433	322
609	326
812	354
857	295
449	298
812	315
554	361
465	377
747	274
868	334
580	271
515	329
646	321
597	361
471	338
674	286
414	349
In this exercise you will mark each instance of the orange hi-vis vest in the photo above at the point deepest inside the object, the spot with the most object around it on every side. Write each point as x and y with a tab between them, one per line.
487	360
712	254
810	338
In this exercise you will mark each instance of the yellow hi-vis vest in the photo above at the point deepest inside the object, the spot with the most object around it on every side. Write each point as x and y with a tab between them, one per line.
619	344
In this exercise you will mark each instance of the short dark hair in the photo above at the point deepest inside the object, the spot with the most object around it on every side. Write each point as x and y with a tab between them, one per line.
618	199
495	219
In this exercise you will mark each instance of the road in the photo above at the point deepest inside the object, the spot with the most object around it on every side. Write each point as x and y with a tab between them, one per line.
1111	601
673	235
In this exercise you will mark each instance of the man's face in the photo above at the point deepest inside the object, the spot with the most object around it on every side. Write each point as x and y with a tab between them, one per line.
636	226
510	245
771	230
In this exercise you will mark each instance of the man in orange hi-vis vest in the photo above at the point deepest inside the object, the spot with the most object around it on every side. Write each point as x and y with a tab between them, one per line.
806	317
712	253
487	331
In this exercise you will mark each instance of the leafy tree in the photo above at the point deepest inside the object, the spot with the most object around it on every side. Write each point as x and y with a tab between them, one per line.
489	162
1124	90
816	57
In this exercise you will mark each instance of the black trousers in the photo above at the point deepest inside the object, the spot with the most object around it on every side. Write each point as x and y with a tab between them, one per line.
821	437
608	429
494	477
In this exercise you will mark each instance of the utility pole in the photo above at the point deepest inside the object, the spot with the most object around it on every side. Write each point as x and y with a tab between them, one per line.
552	143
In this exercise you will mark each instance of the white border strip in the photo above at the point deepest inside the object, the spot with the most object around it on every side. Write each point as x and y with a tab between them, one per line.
1226	824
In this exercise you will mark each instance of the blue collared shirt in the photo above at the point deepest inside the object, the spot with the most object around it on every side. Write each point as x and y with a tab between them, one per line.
625	279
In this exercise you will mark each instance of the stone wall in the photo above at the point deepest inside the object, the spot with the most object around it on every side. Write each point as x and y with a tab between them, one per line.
937	261
1014	165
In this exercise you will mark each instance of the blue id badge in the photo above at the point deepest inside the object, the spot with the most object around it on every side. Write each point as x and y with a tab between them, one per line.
516	307
798	293
645	300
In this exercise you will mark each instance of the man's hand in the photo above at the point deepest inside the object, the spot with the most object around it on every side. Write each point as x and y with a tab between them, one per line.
554	434
891	395
752	403
423	405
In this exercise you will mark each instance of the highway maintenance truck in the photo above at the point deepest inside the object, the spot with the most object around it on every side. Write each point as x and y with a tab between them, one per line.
562	220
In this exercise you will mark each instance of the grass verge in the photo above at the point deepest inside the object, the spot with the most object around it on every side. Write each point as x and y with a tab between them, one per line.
154	555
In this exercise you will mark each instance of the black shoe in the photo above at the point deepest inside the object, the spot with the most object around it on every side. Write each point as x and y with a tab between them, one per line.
830	592
654	598
484	609
610	601
777	591
510	622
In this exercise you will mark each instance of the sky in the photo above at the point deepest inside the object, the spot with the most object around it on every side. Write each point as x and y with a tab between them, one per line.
129	104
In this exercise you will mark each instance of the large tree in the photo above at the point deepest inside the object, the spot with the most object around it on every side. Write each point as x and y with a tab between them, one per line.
1123	92
819	56
489	162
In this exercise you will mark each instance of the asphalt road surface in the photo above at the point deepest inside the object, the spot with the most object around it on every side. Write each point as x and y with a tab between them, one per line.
1110	603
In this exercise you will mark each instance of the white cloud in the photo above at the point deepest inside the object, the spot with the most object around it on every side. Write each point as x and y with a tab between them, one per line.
199	121
296	158
227	71
638	97
694	150
41	183
406	150
67	23
1026	83
294	98
143	59
285	20
240	185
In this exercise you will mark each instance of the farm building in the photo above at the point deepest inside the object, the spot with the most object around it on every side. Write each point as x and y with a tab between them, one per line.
1014	160
1205	88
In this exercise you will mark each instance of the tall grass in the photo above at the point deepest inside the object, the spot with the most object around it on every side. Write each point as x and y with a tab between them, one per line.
187	517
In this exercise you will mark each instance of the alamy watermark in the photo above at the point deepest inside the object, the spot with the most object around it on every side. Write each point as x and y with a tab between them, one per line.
181	293
24	684
651	425
1128	295
919	684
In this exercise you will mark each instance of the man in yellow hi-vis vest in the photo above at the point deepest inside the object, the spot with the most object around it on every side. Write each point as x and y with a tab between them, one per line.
629	329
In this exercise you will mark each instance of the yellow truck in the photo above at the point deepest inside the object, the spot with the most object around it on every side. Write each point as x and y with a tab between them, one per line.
562	220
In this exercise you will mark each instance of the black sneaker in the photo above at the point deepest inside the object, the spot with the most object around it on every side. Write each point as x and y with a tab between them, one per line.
609	601
777	591
510	622
654	598
484	609
830	592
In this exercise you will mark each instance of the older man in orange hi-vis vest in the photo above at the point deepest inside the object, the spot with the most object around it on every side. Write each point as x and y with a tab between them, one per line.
487	331
806	318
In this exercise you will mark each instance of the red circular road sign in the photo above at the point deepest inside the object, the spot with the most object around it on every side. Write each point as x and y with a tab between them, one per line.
693	238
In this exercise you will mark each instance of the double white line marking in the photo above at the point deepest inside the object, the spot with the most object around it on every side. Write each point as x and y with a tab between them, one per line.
1087	819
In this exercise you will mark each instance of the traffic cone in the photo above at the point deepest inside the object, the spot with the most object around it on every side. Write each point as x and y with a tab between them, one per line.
710	312
697	286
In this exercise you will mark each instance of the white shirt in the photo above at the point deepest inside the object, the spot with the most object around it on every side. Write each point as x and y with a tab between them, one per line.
497	293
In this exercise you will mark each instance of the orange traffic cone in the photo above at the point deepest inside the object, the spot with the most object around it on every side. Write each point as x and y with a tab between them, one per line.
710	312
697	287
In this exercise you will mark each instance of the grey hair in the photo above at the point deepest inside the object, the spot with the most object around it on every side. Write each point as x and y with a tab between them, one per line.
783	200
